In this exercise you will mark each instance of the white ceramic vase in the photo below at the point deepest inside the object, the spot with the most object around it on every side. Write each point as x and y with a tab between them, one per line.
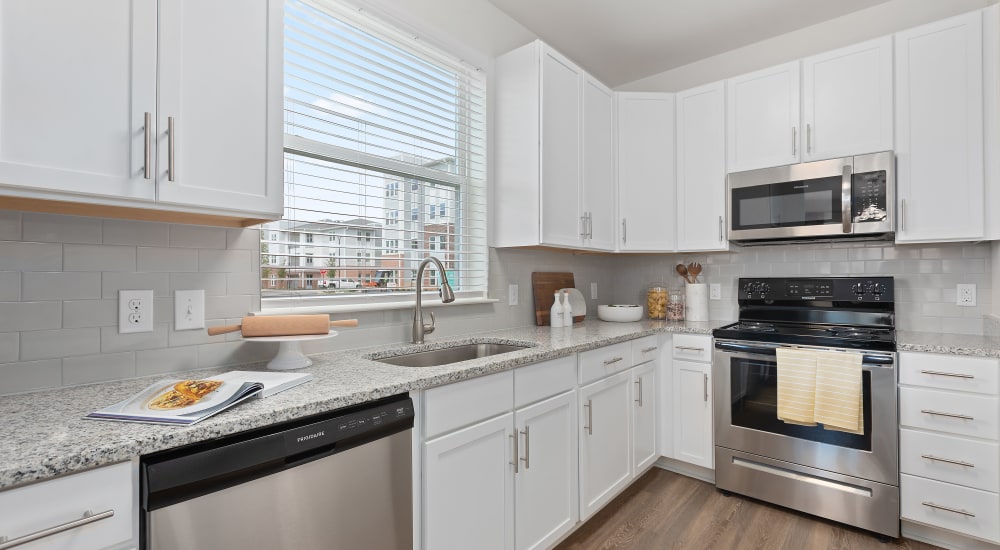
696	302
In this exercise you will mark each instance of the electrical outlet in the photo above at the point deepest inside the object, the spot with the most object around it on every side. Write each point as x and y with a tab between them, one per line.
512	297
189	309
135	311
715	291
966	295
593	291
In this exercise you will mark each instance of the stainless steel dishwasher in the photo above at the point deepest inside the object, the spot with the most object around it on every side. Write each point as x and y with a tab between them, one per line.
337	480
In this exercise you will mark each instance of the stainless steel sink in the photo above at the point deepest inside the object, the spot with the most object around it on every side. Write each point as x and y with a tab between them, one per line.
446	356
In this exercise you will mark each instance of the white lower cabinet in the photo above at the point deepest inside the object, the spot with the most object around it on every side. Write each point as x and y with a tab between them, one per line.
644	451
605	462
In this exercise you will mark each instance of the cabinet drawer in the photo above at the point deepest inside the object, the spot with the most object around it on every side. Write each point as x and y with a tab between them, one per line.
600	362
949	412
463	403
949	372
40	506
692	347
644	349
542	380
952	459
968	511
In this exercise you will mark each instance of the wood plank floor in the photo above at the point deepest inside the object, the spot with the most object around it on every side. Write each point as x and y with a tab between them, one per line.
667	510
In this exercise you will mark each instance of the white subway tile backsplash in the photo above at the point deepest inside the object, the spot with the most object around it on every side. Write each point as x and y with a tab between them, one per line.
243	239
70	285
54	344
30	375
111	283
17	316
90	313
194	236
221	307
54	228
235	353
9	350
227	261
89	369
10	286
245	283
89	257
160	361
168	260
23	256
112	342
136	233
214	284
10	225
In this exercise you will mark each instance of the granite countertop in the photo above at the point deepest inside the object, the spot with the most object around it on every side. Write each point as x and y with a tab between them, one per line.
956	344
45	434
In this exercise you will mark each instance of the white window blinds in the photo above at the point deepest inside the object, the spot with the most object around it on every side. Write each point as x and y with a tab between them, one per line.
384	163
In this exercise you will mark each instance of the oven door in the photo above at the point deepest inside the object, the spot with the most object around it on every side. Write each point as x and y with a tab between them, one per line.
746	390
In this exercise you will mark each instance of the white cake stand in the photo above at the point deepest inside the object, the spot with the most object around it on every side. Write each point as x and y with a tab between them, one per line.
290	356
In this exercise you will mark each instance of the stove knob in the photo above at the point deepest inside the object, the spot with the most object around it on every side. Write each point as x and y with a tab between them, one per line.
748	288
858	288
764	288
878	289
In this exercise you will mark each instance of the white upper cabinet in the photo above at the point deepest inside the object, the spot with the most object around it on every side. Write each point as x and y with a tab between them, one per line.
847	101
939	131
76	79
763	118
560	149
220	82
79	81
597	194
646	184
701	168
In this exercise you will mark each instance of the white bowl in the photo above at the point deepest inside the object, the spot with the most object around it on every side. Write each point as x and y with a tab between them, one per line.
620	313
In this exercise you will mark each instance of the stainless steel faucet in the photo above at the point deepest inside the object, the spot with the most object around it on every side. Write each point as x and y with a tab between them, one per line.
447	296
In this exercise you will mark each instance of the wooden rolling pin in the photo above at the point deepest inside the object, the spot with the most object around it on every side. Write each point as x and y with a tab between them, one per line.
283	325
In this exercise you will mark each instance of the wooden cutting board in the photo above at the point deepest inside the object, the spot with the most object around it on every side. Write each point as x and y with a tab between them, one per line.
543	286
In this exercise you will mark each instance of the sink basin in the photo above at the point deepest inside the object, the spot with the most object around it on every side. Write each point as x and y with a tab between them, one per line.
446	356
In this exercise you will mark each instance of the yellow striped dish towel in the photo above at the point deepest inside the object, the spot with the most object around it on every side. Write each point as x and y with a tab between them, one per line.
838	391
796	386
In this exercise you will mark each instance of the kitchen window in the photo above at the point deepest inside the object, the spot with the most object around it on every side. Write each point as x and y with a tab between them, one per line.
376	123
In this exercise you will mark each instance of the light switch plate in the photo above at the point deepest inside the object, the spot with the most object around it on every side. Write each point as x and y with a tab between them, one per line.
512	295
715	291
135	311
593	291
189	309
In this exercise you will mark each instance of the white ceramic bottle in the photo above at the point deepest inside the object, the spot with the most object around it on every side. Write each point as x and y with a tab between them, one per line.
556	319
567	310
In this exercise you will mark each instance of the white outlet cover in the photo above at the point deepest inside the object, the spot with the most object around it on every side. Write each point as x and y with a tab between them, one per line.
593	291
965	295
135	311
189	309
512	295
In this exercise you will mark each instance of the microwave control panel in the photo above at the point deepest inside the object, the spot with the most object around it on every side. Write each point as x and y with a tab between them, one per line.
868	197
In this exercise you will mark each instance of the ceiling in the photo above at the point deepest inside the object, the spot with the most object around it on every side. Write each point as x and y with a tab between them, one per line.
624	40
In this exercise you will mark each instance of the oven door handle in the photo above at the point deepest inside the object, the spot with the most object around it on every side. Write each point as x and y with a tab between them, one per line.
760	349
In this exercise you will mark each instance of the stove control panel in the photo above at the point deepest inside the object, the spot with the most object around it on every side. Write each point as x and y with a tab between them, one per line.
842	289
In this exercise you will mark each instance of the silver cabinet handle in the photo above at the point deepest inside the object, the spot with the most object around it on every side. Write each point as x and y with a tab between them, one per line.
87	518
902	214
947	509
948	460
171	141
527	448
583	226
952	374
650	348
845	198
706	388
613	360
589	426
950	415
590	225
689	348
808	138
147	144
638	390
720	228
516	454
624	231
795	139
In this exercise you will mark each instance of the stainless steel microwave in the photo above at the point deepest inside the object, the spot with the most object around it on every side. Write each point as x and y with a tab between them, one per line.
840	198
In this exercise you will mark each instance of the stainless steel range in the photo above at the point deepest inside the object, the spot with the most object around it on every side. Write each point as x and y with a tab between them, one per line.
846	477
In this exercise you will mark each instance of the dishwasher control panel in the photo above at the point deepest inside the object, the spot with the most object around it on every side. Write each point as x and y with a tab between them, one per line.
349	425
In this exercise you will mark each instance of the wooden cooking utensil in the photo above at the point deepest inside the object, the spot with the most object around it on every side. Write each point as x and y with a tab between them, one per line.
283	325
694	269
683	272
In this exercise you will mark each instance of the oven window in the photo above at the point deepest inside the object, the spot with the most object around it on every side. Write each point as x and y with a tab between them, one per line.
754	391
787	204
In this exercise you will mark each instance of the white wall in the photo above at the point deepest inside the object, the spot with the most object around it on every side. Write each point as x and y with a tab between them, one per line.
873	22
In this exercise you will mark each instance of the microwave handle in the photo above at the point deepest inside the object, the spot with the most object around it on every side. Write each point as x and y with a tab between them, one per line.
845	198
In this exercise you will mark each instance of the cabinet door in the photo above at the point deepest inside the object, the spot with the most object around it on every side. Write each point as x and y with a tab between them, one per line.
560	143
220	81
847	101
762	128
605	464
546	504
468	487
701	168
693	439
76	80
646	197
939	131
644	452
598	190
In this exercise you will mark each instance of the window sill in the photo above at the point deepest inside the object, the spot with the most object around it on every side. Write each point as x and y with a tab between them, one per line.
385	306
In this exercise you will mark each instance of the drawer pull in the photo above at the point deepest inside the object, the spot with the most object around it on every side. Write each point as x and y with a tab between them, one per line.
689	348
513	438
650	348
638	390
947	509
612	361
948	460
88	517
589	425
952	374
950	415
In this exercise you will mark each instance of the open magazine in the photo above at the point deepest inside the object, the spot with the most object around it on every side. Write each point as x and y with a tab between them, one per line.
186	402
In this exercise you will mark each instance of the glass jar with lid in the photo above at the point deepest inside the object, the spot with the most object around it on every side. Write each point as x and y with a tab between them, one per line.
656	302
675	305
